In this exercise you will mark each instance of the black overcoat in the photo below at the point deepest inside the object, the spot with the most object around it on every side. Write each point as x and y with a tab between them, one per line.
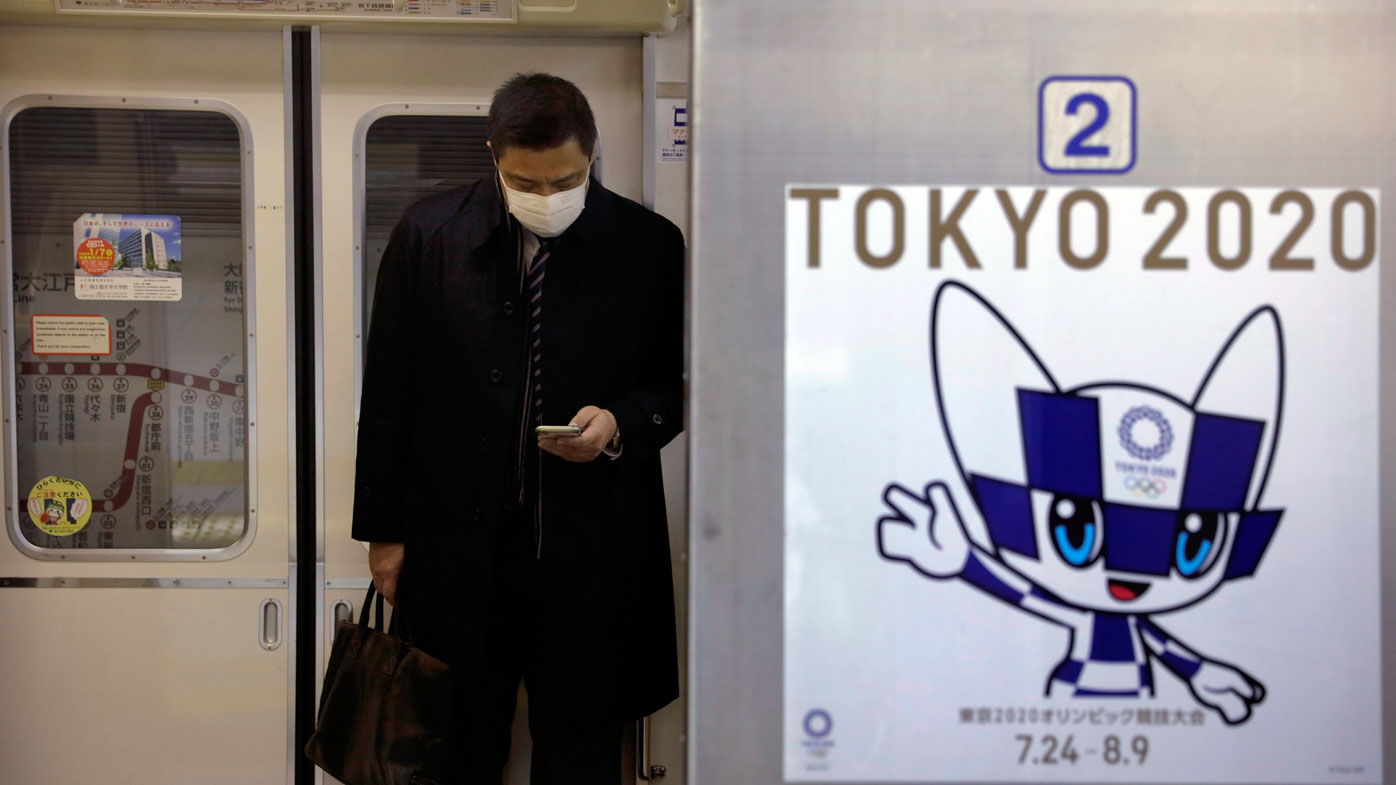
439	424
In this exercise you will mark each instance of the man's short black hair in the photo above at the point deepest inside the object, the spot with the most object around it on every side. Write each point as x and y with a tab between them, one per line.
538	112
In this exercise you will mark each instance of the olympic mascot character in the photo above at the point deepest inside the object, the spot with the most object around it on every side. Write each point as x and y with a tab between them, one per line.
1102	505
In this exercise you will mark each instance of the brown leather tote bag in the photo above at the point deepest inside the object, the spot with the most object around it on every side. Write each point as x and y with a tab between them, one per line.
385	707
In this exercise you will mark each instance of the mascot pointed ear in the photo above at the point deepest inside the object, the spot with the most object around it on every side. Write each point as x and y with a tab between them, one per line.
1247	380
978	364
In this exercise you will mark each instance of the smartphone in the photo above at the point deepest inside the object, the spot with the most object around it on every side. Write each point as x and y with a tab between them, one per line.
558	430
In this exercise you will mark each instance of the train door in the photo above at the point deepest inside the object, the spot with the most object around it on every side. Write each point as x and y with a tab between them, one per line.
144	582
401	117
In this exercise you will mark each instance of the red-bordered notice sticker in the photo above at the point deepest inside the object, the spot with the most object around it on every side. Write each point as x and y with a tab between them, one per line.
70	333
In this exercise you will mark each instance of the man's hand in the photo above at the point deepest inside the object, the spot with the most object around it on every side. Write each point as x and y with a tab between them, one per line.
598	426
385	562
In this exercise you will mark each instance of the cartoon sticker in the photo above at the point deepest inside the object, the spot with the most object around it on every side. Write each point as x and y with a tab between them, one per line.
60	506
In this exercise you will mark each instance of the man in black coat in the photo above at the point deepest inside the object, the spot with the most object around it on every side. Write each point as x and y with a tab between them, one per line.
536	297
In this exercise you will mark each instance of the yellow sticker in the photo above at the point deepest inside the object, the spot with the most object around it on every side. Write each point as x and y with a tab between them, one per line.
60	506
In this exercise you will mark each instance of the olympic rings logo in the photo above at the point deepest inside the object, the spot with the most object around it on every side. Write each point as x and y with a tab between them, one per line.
1145	487
818	723
1150	452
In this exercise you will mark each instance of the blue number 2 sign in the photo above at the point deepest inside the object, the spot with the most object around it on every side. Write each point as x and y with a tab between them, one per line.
1086	124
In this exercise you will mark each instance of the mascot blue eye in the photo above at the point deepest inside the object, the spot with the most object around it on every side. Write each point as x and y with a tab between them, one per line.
1074	523
1197	538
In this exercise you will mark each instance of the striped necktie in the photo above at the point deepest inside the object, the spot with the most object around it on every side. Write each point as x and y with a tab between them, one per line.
535	328
530	461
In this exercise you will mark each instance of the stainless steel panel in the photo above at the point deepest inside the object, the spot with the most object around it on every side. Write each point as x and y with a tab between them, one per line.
1232	92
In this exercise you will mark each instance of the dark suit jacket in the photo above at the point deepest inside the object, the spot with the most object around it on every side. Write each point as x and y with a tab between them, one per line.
441	408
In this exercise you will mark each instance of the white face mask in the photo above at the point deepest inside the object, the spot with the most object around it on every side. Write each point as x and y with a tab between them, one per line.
547	216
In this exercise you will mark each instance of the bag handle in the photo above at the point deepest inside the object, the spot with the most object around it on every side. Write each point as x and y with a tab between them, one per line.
398	627
399	621
376	601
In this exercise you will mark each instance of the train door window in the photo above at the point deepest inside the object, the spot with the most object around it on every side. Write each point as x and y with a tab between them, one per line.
407	157
130	407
